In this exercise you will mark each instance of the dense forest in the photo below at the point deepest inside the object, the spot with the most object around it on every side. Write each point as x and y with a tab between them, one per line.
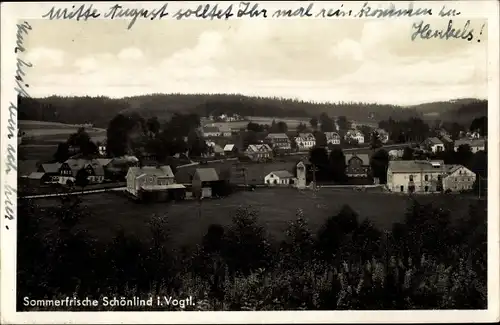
100	110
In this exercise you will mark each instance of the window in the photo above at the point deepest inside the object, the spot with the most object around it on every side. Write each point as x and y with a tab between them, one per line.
411	178
426	177
427	188
402	188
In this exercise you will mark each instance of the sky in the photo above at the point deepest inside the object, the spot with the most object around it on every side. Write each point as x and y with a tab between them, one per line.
313	60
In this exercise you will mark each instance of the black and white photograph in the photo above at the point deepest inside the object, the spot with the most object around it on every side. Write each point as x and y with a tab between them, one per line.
250	157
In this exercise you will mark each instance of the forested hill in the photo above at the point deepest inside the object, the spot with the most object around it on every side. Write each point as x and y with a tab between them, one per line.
100	110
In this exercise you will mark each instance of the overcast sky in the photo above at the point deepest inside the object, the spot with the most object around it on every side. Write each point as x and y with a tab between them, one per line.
318	60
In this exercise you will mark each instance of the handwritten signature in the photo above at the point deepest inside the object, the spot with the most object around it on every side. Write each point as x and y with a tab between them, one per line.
424	31
21	90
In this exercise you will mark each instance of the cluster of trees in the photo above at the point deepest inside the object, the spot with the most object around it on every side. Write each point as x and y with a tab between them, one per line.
81	141
347	264
133	134
332	167
417	130
99	110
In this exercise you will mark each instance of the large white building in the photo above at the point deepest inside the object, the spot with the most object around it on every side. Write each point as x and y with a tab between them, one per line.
305	141
416	176
149	178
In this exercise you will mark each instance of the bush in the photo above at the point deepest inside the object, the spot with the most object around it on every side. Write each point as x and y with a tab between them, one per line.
425	263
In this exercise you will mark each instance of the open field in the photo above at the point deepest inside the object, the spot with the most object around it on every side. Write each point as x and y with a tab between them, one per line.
292	122
38	132
188	221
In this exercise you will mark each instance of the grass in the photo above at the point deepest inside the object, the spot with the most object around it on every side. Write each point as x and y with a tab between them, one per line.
189	220
38	132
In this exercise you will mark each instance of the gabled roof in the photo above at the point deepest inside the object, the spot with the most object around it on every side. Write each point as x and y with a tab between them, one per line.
277	136
365	158
206	174
162	171
281	174
415	166
450	169
36	175
306	136
330	135
97	167
446	138
51	168
434	140
104	161
259	148
228	147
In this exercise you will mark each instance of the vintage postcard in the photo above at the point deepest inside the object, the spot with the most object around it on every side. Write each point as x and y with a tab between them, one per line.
250	162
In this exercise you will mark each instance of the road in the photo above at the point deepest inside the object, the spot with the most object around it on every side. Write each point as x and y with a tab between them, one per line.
386	147
39	196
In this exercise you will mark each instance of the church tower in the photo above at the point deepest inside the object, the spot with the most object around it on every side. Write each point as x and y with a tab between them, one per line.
301	175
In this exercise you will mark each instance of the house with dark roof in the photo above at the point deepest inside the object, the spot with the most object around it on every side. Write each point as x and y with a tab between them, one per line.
357	165
204	181
433	144
279	141
416	176
52	171
259	152
95	172
280	177
39	178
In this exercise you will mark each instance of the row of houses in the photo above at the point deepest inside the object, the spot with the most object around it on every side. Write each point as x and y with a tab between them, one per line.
439	144
417	176
65	173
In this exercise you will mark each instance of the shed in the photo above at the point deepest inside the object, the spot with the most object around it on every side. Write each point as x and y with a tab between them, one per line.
204	179
280	177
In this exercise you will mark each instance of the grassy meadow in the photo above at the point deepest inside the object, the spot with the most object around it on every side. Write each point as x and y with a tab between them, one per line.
189	220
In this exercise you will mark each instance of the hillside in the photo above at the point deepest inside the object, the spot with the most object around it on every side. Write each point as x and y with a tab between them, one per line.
100	110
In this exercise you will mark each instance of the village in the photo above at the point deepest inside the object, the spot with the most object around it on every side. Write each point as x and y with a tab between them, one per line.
279	160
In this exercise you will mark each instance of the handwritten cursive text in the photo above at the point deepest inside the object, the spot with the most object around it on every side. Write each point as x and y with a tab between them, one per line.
424	31
117	11
392	11
81	13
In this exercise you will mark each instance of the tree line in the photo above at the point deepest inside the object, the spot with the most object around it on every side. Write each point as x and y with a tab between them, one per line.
100	110
348	264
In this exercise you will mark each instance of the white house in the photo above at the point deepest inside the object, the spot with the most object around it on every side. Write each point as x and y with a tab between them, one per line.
332	138
474	144
149	178
433	144
355	135
305	141
410	176
281	177
396	154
